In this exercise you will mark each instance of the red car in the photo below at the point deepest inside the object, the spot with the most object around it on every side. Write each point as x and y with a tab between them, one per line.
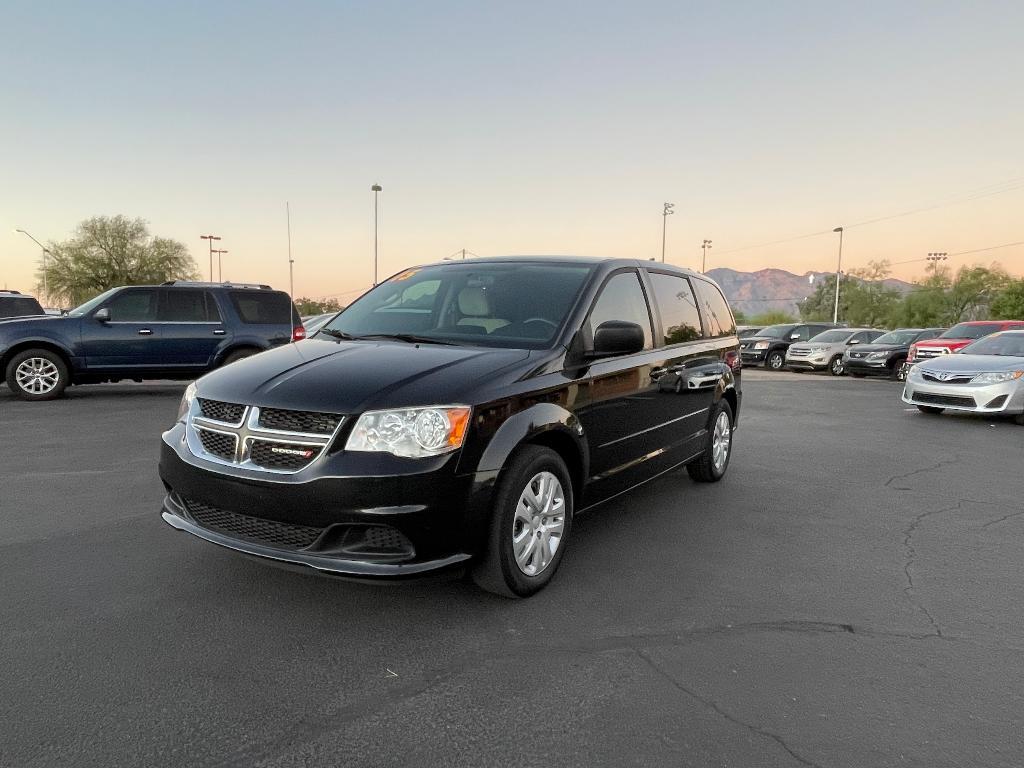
958	337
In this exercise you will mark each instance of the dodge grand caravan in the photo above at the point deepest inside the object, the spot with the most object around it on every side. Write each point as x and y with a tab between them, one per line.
459	414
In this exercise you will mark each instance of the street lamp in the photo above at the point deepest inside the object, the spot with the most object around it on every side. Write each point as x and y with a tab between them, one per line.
934	258
839	272
220	272
704	257
46	291
376	189
291	261
211	238
666	212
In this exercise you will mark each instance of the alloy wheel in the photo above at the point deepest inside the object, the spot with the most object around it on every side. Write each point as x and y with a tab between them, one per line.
837	367
37	376
721	441
539	523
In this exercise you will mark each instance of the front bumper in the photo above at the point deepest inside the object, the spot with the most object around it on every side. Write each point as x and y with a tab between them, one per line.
807	363
371	515
751	357
863	365
1004	398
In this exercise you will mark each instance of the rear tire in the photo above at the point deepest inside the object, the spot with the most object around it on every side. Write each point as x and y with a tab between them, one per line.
931	410
531	518
239	354
713	461
37	374
1019	419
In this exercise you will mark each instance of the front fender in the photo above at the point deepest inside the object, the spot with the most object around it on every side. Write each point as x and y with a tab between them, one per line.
531	423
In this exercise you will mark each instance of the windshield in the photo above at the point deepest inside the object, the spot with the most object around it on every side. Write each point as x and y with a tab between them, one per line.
896	337
831	337
776	331
969	331
91	304
503	304
1002	344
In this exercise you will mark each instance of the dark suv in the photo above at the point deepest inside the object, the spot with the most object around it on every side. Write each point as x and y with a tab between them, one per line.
768	347
460	414
178	330
17	304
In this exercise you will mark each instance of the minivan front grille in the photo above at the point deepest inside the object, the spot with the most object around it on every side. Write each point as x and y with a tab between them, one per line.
218	443
311	422
229	413
288	456
270	533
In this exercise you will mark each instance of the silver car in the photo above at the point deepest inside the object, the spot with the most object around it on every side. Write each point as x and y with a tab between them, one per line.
986	376
824	352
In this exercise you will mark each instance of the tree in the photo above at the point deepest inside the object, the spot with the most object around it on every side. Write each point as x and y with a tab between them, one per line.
973	291
864	298
771	317
1009	304
108	251
307	306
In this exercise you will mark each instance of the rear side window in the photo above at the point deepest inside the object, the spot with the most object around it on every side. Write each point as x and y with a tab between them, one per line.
187	306
21	306
677	307
263	307
622	298
137	305
716	310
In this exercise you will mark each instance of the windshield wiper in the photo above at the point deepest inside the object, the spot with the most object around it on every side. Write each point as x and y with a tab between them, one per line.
337	334
411	338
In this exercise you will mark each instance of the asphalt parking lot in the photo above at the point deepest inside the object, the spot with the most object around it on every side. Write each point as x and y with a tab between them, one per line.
850	595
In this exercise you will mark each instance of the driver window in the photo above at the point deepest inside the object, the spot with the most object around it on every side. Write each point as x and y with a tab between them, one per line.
800	333
134	306
622	298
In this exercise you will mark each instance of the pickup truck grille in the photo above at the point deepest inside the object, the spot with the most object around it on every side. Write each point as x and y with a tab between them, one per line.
924	353
267	439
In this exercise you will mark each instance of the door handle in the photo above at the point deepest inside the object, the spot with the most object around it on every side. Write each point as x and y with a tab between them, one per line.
145	332
219	332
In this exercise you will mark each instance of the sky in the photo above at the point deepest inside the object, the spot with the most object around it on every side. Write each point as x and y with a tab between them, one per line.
516	128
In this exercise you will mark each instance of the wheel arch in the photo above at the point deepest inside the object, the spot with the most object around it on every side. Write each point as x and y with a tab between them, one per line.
46	344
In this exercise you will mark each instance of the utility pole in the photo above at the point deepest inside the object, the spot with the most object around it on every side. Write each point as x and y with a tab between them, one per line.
46	289
704	257
291	261
376	189
211	238
839	272
220	271
666	212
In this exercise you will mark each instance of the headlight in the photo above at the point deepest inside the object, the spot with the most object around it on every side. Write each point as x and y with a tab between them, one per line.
914	372
876	355
761	345
818	348
996	377
411	432
186	401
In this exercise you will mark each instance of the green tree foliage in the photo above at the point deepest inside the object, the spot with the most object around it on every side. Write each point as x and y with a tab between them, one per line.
307	306
864	298
944	299
108	251
1009	304
772	317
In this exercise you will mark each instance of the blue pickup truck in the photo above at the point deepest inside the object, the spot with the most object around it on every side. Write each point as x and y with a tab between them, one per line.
178	330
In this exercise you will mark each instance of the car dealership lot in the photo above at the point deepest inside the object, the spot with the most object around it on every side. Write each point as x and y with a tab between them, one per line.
849	595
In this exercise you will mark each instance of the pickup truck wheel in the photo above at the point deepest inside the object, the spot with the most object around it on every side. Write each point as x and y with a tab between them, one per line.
776	361
37	374
836	367
531	520
710	466
930	409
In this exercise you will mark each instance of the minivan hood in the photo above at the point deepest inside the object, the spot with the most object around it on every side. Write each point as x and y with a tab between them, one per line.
970	363
353	376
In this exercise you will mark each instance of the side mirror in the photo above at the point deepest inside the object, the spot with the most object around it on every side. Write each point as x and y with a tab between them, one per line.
617	337
103	315
794	336
853	341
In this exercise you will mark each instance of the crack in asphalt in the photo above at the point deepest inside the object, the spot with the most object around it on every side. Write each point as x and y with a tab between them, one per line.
710	704
1003	519
931	468
910	555
395	693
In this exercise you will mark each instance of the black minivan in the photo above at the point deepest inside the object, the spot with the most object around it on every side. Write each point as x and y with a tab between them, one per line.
460	414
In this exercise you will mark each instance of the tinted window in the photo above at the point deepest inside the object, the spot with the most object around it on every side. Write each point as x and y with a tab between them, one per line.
898	337
134	306
801	333
508	304
968	331
181	306
832	337
777	331
263	307
680	320
1004	344
622	298
21	306
716	310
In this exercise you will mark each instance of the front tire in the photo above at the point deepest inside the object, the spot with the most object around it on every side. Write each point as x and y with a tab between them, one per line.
836	367
711	465
776	361
931	410
37	374
530	524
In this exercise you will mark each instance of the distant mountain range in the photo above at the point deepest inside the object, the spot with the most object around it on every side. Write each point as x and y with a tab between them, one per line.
755	292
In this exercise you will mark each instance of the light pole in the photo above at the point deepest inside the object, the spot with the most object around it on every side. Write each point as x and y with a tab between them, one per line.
933	259
46	291
666	212
211	238
291	261
839	272
376	189
220	272
704	257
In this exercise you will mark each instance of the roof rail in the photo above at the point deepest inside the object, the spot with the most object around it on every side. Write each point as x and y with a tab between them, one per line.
200	284
12	291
